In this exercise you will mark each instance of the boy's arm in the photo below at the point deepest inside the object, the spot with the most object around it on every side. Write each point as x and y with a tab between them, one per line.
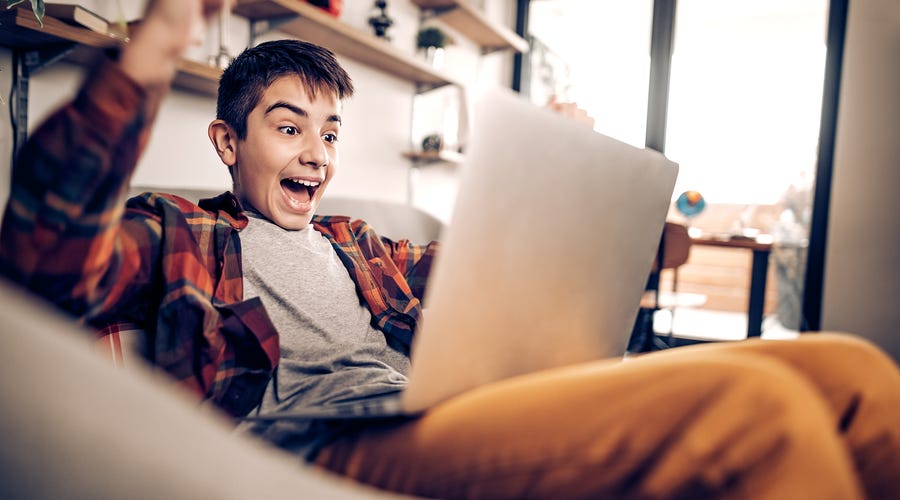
61	233
59	228
165	31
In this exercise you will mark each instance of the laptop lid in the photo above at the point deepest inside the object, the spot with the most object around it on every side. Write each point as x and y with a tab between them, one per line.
544	261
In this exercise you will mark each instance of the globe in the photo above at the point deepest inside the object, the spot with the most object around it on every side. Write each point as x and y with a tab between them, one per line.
690	203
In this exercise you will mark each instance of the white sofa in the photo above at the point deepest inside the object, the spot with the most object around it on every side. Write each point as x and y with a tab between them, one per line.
74	426
391	219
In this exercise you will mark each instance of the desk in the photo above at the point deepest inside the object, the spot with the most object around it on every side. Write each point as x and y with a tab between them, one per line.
761	246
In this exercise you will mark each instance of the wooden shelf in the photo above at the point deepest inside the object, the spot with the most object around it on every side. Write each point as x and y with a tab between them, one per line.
19	29
462	16
198	76
315	25
445	156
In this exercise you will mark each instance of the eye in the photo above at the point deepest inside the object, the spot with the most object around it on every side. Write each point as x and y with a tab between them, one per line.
288	130
330	138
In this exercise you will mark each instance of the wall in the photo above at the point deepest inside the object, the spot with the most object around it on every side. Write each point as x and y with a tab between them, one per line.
377	119
862	259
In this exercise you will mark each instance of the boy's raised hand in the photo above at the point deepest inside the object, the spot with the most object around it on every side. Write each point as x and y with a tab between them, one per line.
166	30
571	110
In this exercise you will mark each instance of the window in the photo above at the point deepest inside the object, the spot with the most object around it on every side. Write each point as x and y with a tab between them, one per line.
745	97
745	93
739	107
605	46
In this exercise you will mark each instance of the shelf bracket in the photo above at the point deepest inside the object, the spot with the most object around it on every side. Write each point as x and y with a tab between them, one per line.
26	63
260	27
422	88
436	12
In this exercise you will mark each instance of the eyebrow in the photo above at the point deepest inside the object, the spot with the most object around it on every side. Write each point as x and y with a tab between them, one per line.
300	111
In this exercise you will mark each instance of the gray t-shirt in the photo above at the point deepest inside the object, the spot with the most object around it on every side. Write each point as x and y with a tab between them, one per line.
330	352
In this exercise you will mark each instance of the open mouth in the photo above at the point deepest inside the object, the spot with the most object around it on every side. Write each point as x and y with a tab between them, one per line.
300	191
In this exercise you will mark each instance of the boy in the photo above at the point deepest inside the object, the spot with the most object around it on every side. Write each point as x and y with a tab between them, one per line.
246	283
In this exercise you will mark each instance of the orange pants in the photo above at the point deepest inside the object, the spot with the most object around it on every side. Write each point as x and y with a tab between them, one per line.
817	417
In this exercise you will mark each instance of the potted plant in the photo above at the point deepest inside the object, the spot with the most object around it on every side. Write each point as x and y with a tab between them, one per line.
431	41
37	6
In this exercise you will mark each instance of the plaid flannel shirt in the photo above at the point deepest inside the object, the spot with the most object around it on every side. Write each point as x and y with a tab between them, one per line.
162	263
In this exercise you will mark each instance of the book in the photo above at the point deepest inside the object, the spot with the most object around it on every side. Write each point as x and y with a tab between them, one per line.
77	15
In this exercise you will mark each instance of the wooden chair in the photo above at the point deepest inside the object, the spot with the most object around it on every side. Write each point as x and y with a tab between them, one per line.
674	250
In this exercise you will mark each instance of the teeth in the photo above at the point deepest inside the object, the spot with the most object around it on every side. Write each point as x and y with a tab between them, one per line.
303	182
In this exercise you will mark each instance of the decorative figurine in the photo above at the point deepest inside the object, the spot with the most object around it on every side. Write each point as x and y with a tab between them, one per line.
380	21
433	142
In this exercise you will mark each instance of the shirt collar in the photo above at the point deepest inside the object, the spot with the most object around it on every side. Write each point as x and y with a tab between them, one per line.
228	205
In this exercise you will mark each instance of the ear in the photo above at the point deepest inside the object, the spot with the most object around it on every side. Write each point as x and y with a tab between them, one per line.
224	140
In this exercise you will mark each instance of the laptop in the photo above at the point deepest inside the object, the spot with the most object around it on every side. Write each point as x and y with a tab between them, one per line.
543	263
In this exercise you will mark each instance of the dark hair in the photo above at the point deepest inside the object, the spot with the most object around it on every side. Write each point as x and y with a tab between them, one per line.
245	80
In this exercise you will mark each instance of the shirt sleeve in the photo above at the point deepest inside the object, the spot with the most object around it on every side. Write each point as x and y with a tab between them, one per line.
62	235
414	261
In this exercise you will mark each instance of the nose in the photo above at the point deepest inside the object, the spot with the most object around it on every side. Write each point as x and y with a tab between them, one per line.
314	153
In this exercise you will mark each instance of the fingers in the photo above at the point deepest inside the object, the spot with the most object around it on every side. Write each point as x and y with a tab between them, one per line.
210	7
164	33
571	110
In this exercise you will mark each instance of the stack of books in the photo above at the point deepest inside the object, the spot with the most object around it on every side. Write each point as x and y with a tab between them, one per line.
78	16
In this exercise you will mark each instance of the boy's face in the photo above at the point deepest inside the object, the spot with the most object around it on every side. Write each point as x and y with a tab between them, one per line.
290	152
